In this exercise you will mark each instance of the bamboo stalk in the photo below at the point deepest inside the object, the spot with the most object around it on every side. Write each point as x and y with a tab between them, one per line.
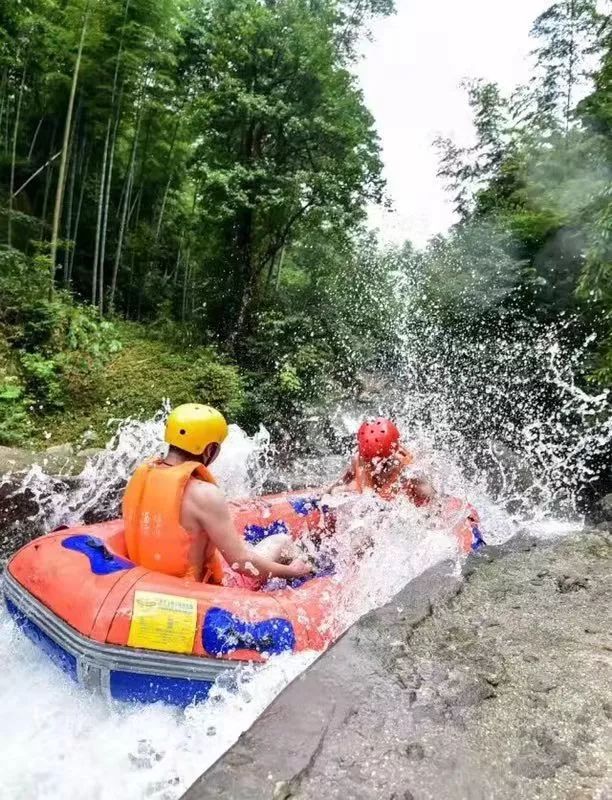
59	197
75	232
14	157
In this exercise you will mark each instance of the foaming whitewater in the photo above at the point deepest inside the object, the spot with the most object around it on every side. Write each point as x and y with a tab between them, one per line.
495	408
58	742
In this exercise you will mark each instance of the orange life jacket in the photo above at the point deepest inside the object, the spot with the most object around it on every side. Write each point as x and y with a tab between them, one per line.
154	536
364	479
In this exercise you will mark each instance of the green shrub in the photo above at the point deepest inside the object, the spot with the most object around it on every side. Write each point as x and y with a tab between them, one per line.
137	379
219	385
43	381
15	424
52	348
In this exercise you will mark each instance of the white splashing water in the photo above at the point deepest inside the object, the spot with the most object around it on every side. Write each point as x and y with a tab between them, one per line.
241	469
58	742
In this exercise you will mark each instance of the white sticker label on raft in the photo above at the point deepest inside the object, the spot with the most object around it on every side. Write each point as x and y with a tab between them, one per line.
163	622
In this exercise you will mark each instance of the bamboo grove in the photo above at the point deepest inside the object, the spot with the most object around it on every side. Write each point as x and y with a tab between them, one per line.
169	151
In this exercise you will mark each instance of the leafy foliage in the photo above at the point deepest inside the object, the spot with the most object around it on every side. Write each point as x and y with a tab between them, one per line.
209	146
50	344
533	192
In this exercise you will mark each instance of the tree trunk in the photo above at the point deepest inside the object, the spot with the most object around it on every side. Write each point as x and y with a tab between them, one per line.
124	215
104	203
119	250
75	231
43	221
94	275
61	181
7	118
34	138
37	173
109	177
109	181
133	259
185	284
570	69
193	293
3	99
279	270
14	157
74	160
245	304
169	182
177	266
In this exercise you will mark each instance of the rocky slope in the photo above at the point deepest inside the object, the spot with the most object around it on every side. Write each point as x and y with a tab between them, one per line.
18	506
496	687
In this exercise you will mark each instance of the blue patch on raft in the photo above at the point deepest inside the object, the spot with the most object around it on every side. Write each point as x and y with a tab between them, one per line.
478	541
101	560
305	505
224	632
257	533
60	657
133	687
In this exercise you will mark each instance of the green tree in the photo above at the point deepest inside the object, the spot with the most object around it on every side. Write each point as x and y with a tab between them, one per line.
287	137
567	33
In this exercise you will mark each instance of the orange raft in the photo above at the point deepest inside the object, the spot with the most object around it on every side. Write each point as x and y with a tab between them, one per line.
139	635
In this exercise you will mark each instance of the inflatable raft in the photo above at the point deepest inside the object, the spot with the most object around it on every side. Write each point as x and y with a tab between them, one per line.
141	636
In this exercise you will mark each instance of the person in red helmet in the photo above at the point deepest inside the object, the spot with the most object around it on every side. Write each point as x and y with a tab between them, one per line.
383	465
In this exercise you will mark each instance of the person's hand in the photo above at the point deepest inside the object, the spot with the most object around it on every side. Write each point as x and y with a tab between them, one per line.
299	568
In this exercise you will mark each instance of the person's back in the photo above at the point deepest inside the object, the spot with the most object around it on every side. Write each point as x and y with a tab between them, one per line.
177	519
161	530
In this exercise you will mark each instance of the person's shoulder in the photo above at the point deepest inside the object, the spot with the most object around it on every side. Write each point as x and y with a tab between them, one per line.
202	491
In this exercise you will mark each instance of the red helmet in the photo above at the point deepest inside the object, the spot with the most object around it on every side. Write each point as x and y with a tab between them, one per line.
377	438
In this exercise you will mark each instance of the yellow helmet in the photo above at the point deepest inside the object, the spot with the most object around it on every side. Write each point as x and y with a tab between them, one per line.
192	427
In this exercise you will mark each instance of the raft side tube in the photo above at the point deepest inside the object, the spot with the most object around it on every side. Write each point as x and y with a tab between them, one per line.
121	673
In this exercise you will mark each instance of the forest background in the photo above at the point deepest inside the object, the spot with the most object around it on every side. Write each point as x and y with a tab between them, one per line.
184	187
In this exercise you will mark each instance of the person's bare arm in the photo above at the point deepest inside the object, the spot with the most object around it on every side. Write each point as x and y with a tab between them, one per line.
212	513
343	482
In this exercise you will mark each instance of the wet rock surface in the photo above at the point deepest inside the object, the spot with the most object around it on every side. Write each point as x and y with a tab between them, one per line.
498	686
19	507
59	460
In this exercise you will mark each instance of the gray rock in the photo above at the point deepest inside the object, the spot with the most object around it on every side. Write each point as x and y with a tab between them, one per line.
470	697
58	461
605	505
16	459
415	751
59	451
472	693
571	583
83	456
533	765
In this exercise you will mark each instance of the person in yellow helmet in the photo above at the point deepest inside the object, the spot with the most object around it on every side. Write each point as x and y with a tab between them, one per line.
177	520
